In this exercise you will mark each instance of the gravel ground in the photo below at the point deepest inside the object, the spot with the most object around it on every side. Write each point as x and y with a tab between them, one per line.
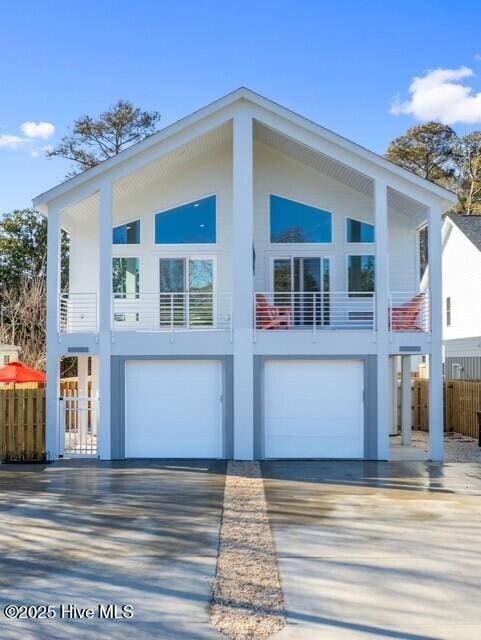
247	600
458	448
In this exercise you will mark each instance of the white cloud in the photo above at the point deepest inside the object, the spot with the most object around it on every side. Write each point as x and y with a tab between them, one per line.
477	57
440	95
10	142
41	151
43	130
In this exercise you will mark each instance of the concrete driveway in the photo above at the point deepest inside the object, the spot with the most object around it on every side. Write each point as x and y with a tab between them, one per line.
143	534
376	550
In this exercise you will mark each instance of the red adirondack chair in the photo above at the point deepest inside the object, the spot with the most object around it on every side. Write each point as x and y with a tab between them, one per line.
271	317
406	316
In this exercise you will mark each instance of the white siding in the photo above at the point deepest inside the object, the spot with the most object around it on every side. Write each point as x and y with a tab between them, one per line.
277	174
462	283
208	175
273	173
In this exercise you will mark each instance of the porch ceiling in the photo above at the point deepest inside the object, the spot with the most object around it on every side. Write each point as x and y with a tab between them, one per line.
333	169
157	170
172	161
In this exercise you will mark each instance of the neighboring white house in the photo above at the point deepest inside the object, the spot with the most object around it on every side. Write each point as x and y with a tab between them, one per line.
239	282
462	296
8	353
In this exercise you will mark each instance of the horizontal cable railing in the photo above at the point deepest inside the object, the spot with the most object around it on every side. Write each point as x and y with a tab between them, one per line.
409	311
78	313
183	311
314	310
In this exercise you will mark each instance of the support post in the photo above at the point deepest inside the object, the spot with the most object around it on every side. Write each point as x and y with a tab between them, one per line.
394	397
436	419
382	311
406	400
243	290
105	319
82	394
53	360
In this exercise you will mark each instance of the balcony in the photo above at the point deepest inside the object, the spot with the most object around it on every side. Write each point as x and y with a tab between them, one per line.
338	311
273	311
170	312
314	311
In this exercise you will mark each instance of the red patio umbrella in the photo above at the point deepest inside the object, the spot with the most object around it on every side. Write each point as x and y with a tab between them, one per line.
16	372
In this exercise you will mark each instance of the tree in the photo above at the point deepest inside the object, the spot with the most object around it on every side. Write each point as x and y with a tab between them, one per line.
23	253
468	158
427	150
96	139
23	249
23	319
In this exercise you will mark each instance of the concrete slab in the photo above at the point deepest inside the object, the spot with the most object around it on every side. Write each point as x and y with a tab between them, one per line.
138	533
377	550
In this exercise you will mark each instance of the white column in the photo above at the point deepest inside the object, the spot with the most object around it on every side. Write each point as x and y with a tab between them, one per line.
105	318
53	361
436	424
394	396
242	286
382	309
406	400
94	391
82	391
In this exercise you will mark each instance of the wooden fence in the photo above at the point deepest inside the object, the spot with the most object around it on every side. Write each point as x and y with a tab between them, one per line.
462	399
22	424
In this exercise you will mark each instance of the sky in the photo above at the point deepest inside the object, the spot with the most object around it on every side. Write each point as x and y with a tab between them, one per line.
366	69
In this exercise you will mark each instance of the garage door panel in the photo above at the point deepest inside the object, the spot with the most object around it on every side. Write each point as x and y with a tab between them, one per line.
173	409
314	409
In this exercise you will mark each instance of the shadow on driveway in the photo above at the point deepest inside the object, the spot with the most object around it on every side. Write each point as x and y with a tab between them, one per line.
143	533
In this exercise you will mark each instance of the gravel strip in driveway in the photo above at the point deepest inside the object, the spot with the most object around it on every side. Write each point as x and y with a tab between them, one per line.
247	601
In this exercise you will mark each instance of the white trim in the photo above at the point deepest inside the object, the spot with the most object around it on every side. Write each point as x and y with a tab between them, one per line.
180	244
273	245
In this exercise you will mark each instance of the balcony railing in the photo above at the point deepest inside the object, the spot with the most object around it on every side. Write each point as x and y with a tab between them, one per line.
172	312
300	311
409	311
78	313
314	311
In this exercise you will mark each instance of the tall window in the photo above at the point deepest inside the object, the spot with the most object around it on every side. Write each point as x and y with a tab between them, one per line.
292	221
127	233
358	231
448	311
192	223
125	277
361	280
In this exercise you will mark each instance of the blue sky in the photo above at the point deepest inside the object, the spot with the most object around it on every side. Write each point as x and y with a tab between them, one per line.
339	63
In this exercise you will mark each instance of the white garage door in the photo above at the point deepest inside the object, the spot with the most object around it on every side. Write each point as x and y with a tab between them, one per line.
173	409
314	409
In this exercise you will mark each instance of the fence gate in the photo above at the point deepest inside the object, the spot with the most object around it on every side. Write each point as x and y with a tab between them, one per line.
79	419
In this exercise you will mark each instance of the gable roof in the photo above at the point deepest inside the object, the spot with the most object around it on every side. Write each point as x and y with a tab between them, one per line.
227	101
470	226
